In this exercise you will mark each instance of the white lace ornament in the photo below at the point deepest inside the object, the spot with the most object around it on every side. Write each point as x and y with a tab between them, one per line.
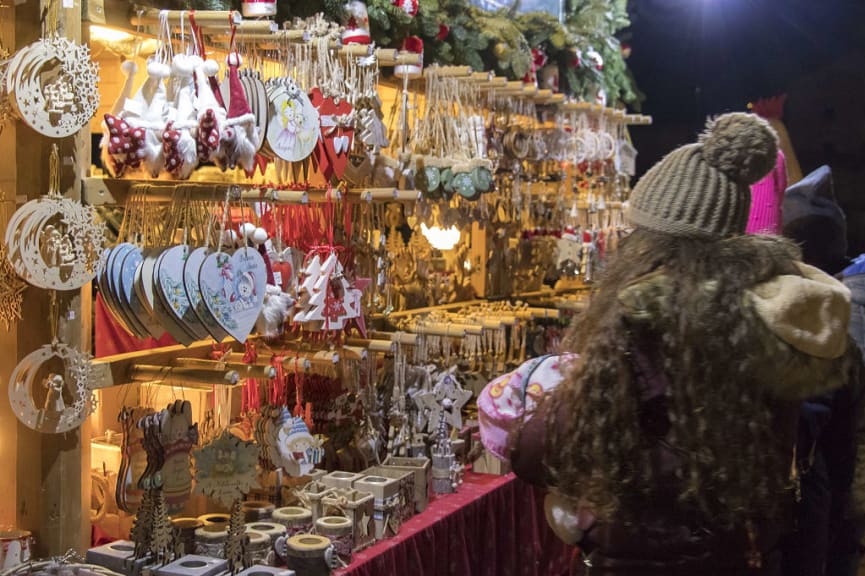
52	85
54	242
54	416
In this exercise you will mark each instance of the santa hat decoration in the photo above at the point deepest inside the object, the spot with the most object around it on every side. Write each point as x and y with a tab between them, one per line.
410	7
211	116
178	142
240	136
356	29
413	45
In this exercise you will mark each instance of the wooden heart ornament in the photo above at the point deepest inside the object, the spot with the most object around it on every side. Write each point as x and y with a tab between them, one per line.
233	289
337	133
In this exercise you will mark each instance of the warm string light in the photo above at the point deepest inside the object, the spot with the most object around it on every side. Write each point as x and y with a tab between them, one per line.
441	238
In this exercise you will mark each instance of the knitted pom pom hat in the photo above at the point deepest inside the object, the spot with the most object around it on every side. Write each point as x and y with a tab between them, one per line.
702	190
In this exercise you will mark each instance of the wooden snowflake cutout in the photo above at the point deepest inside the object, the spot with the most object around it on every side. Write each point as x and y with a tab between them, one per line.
225	469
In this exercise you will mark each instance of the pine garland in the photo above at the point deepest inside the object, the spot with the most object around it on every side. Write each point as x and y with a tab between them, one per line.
457	32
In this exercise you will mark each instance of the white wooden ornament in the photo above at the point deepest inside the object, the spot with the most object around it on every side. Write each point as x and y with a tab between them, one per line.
54	416
52	84
233	289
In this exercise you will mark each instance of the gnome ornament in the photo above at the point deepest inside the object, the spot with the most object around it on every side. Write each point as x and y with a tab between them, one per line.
178	140
209	113
153	119
121	144
240	137
414	45
356	29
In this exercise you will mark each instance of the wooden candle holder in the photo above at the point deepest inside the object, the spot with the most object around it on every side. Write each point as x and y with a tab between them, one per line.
359	507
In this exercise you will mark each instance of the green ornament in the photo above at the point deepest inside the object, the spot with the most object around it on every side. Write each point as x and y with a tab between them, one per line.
482	179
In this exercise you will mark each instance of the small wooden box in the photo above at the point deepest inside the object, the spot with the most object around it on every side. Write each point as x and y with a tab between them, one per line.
406	501
489	464
359	507
192	565
420	467
117	556
388	500
341	480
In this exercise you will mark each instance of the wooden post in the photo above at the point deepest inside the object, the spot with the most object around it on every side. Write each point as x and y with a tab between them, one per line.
52	472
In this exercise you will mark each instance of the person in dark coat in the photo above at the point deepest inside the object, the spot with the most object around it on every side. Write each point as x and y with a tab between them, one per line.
829	528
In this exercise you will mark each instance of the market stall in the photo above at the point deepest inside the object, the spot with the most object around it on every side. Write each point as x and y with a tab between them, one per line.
255	273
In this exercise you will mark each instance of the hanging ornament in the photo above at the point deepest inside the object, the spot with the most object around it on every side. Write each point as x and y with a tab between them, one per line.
52	85
54	242
54	416
539	60
240	137
595	59
225	468
410	7
413	45
356	29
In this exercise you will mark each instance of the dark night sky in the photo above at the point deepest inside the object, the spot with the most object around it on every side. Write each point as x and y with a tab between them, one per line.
693	58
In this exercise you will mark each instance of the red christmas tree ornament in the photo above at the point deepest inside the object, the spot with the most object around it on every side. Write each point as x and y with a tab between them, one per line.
356	29
443	32
410	7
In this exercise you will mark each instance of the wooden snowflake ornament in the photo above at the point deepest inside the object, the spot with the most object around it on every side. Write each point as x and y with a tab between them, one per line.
225	469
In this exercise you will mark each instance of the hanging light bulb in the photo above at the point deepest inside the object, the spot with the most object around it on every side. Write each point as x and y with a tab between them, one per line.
441	238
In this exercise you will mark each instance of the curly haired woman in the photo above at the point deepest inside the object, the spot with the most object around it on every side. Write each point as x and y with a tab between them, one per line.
668	446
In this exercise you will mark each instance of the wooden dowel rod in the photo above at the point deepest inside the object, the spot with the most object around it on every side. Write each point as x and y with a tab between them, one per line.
446	329
244	370
408	59
219	19
372	345
354	352
571	304
387	54
355	50
276	196
254	26
148	373
448	71
321	356
406	338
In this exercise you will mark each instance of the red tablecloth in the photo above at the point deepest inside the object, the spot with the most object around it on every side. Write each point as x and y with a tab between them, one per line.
493	525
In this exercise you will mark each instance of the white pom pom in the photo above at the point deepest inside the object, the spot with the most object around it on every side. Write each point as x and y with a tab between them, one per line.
247	230
183	65
158	70
210	67
229	238
129	67
234	59
259	236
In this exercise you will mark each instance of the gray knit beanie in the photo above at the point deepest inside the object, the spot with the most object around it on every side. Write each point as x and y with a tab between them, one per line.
703	190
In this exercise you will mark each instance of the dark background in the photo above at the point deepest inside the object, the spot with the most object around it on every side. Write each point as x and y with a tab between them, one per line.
695	58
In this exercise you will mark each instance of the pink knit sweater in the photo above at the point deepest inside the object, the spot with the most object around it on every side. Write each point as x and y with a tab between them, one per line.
766	198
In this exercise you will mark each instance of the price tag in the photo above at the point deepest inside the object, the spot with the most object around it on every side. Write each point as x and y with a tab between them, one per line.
277	277
69	3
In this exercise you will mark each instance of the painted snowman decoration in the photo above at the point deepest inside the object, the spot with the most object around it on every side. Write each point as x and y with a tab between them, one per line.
244	292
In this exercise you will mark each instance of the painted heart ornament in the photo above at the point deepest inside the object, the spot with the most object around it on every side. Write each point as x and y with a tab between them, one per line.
233	288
